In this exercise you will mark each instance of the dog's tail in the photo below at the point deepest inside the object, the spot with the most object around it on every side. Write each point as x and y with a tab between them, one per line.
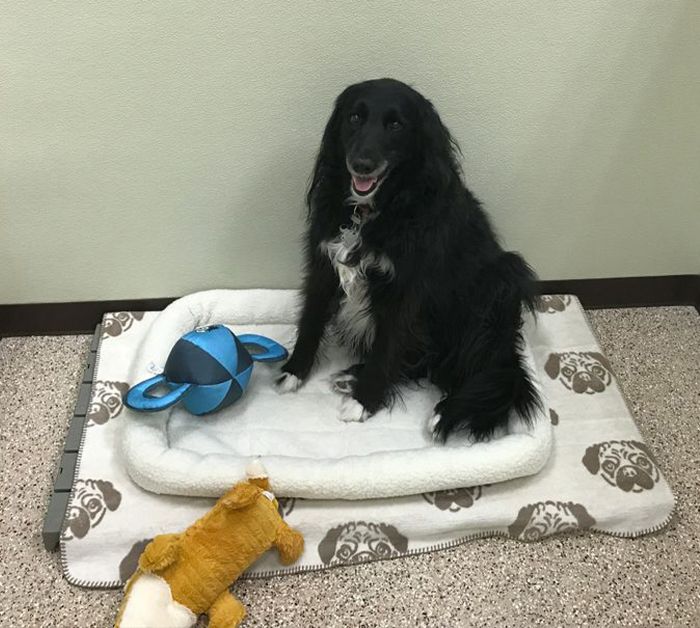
491	378
485	402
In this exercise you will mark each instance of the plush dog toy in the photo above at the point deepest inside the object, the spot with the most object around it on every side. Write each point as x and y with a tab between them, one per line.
181	576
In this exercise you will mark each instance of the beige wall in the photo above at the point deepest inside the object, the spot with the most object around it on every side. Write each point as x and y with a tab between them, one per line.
157	149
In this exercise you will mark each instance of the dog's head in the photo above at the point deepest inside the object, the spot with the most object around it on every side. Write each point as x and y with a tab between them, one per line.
91	500
552	303
106	402
536	521
627	464
358	541
116	323
454	500
382	131
583	372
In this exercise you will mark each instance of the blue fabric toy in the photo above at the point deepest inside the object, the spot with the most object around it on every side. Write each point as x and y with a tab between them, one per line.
207	369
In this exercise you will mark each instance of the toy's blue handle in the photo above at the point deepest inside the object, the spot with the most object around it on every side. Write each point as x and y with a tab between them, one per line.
262	348
139	397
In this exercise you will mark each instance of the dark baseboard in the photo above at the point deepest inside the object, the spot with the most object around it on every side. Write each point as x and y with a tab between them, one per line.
619	292
79	317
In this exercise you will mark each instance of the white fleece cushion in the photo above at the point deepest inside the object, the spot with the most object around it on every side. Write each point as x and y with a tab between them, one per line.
307	451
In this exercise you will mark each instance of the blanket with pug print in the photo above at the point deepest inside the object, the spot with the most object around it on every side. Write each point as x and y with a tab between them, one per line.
600	476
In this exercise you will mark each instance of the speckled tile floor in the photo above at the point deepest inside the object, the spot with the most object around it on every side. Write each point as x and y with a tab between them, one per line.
586	580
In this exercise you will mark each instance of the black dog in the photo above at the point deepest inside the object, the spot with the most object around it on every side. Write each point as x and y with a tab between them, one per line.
401	256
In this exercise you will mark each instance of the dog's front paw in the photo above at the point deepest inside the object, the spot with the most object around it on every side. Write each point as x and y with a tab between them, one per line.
287	382
352	411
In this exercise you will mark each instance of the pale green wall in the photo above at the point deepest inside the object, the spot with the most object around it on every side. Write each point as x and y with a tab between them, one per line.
156	149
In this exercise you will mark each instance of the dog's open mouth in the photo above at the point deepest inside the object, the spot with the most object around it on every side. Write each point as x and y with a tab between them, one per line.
366	185
363	186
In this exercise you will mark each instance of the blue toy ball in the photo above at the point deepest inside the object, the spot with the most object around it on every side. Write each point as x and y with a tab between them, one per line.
207	369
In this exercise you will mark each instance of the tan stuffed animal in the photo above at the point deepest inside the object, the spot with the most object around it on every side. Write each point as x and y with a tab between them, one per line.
181	576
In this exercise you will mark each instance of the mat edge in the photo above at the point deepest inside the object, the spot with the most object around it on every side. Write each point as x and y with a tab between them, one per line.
493	533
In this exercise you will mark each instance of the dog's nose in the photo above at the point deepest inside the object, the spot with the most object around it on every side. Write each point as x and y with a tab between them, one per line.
363	165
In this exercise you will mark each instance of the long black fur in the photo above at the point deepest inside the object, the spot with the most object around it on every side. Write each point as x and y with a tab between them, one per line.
452	310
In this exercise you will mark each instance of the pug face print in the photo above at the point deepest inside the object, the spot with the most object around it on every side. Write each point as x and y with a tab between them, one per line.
542	519
583	372
626	464
116	323
552	303
106	402
91	501
359	541
453	500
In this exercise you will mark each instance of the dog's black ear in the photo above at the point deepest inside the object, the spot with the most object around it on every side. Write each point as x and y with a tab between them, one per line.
398	540
643	447
585	520
601	358
111	495
327	546
330	155
79	523
552	365
440	149
591	459
130	562
516	528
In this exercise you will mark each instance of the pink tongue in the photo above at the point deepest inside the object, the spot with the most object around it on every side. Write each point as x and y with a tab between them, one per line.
362	185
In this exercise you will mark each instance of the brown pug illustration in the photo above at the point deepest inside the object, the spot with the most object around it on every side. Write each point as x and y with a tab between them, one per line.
453	500
106	402
116	323
536	521
627	464
130	562
358	541
552	303
91	500
286	505
586	372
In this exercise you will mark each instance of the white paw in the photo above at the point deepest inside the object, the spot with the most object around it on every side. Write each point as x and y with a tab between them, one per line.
352	411
287	383
343	382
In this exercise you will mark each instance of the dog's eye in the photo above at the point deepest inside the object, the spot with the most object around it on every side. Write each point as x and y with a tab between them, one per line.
609	466
345	551
355	119
394	125
643	463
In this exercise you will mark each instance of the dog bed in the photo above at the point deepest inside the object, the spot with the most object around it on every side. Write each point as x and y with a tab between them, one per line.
600	476
305	448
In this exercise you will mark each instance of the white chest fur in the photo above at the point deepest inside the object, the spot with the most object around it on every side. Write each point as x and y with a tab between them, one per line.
355	324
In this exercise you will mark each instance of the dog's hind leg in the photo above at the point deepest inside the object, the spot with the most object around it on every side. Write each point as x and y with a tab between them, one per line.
482	405
486	378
